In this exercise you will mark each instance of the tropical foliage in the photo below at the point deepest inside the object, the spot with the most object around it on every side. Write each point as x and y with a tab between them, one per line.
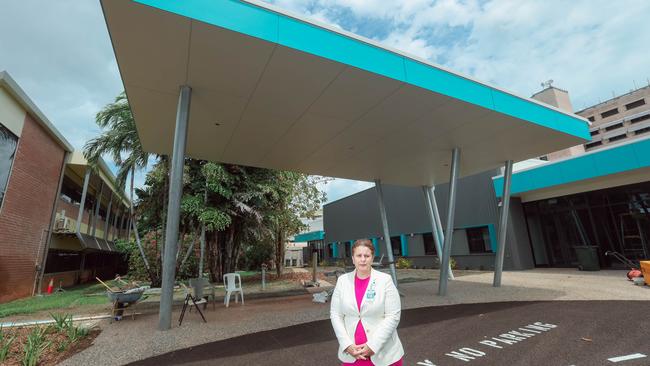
242	215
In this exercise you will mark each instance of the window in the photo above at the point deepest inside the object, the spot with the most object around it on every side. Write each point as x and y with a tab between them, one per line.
643	130
396	244
545	158
616	138
8	143
348	249
478	239
594	133
639	119
613	127
429	244
609	113
593	144
635	104
591	119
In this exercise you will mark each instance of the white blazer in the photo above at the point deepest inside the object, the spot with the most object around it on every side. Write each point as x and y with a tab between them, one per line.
379	315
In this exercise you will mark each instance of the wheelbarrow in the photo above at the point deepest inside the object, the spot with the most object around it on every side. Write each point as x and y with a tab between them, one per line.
122	298
634	266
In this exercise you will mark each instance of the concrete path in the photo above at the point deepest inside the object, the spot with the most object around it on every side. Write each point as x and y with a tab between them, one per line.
133	340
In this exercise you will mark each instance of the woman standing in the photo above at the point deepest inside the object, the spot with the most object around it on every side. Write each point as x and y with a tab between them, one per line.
365	311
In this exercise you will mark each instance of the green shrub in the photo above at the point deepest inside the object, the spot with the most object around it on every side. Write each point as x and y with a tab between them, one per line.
403	263
34	346
5	344
61	322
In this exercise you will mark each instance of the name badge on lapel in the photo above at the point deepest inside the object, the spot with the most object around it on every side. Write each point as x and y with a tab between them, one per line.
370	294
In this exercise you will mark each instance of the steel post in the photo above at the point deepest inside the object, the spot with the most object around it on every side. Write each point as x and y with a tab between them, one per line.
449	232
173	208
384	224
435	230
503	224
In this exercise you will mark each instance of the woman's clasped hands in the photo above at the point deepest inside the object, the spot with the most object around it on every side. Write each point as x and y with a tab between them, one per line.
360	351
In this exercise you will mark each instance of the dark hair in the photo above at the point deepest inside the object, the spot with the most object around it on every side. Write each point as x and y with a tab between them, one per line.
363	243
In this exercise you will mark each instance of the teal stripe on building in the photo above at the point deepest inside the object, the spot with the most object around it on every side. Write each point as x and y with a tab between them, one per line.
623	158
405	245
310	236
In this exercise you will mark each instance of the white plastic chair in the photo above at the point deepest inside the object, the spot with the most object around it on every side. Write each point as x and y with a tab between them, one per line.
230	282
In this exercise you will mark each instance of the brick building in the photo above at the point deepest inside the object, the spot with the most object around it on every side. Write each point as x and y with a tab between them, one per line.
32	157
42	180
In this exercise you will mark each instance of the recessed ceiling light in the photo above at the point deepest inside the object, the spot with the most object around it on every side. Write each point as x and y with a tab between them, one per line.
217	124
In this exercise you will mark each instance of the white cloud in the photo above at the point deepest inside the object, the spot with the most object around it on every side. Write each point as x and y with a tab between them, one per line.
60	52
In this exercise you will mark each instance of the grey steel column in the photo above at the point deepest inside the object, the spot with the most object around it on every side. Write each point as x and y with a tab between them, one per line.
449	232
174	209
82	204
503	224
108	215
384	224
437	238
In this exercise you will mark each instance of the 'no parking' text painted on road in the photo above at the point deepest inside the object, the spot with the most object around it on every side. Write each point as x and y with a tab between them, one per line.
509	338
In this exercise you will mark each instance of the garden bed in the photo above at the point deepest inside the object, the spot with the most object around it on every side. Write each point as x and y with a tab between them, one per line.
44	345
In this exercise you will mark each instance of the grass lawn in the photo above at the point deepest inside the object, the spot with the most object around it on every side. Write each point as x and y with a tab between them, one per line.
79	295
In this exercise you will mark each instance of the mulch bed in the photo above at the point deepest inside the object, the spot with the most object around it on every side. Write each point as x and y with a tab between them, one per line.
54	353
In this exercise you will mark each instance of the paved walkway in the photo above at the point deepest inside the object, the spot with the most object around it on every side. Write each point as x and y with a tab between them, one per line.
130	341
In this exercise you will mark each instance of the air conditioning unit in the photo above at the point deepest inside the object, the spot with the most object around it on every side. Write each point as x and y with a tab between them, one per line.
64	224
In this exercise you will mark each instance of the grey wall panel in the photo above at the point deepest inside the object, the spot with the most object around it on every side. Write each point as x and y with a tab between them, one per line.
459	244
476	203
415	245
357	216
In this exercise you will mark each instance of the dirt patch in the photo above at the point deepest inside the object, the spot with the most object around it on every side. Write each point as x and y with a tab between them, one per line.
58	346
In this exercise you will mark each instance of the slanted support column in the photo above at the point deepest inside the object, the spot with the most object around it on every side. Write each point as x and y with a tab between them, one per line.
174	209
82	204
384	224
97	207
436	226
449	232
503	224
108	216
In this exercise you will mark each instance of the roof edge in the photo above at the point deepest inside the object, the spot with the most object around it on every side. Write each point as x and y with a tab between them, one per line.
21	97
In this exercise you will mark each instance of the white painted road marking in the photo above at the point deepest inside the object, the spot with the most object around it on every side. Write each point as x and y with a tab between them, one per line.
626	358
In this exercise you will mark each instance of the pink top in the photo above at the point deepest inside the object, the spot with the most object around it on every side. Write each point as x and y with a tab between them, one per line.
360	286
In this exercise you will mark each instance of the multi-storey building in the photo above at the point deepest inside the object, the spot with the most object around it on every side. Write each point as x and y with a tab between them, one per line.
40	192
623	118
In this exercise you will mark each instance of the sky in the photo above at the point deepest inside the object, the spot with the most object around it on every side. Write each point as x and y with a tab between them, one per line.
60	53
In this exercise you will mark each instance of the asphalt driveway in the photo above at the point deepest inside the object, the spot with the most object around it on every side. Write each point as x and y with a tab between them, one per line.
507	333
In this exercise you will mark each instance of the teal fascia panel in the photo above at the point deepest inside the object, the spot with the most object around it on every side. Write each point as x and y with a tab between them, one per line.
614	160
374	244
493	237
314	235
327	44
405	246
448	84
286	31
335	250
230	14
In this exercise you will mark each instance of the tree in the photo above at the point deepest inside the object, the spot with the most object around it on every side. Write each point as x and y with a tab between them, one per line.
121	142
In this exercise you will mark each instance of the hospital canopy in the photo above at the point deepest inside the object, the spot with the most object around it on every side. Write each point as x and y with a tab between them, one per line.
272	90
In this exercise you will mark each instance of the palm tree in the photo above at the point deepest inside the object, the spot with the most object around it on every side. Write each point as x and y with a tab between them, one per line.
121	142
